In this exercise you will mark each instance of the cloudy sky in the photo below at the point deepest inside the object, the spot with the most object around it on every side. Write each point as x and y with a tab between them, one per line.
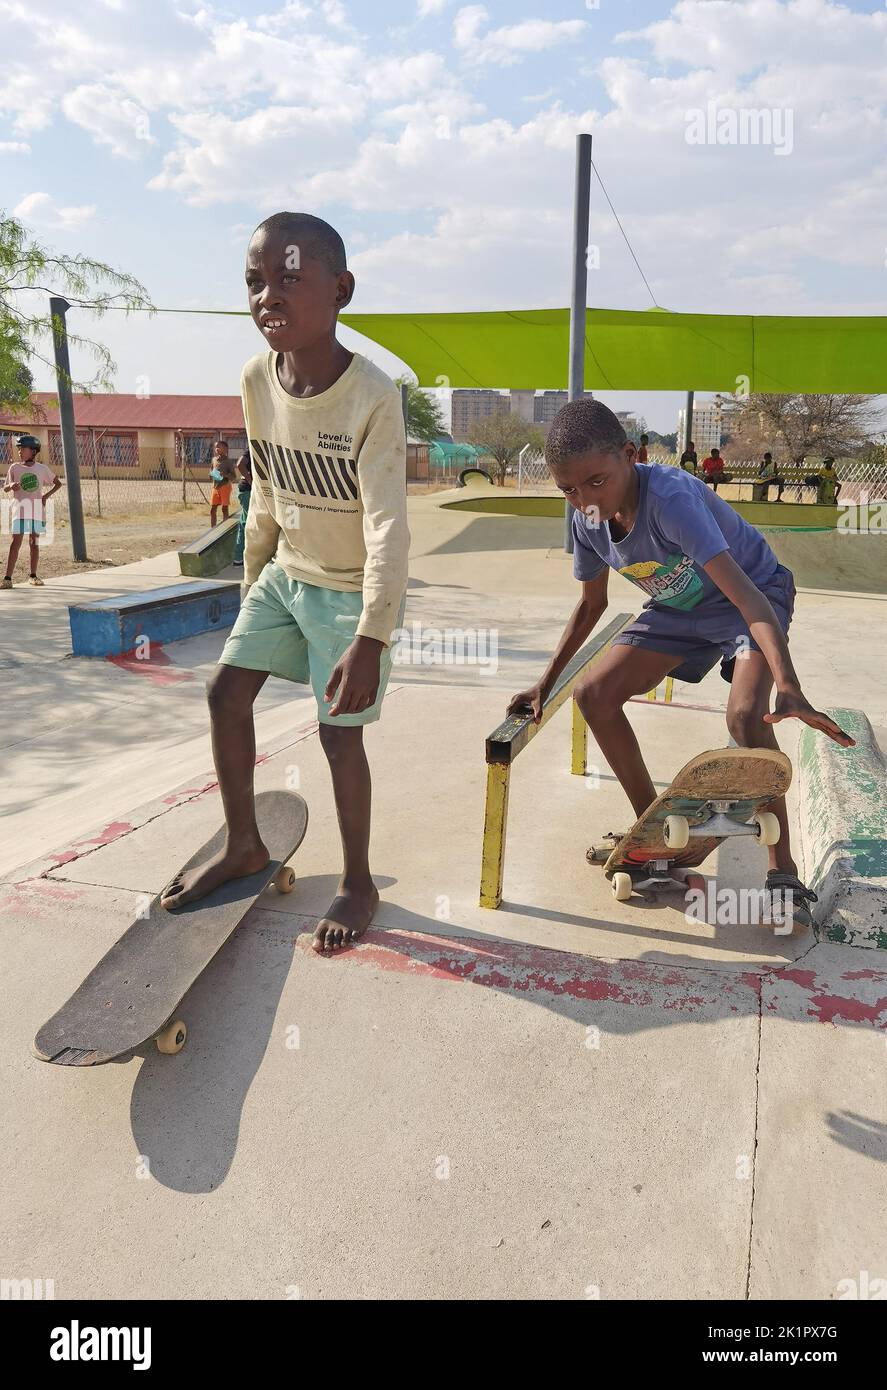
439	138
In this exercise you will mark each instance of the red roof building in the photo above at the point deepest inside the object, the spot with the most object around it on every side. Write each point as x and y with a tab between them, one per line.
121	436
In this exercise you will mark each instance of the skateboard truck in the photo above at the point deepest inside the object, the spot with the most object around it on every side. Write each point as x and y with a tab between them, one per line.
662	875
678	831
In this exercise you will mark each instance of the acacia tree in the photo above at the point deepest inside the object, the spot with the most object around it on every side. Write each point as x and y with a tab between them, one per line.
794	425
27	270
503	436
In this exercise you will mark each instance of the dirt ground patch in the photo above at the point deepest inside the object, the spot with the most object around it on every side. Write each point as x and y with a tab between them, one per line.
112	542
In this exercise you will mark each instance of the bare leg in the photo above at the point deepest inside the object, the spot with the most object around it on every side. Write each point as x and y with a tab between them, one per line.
357	899
231	692
14	548
620	674
34	552
212	515
748	703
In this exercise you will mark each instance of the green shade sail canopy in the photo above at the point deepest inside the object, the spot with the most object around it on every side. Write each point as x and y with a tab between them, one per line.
628	350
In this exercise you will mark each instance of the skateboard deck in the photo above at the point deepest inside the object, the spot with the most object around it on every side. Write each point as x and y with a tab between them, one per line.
717	795
135	990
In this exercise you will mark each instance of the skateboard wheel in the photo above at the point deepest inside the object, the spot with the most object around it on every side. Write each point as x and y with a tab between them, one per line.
172	1039
622	887
768	827
677	832
285	879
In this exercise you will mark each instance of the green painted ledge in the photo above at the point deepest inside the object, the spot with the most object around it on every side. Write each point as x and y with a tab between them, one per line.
843	797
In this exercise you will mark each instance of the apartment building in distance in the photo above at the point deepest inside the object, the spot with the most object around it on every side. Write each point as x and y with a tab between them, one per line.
707	427
468	406
534	407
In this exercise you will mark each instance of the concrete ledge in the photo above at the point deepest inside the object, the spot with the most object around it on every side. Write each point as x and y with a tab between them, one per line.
111	626
212	551
843	795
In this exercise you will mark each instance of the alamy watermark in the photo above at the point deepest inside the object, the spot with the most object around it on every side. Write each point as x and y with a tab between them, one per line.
741	125
418	645
867	516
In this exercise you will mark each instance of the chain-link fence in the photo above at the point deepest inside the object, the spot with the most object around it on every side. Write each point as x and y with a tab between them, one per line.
123	474
857	478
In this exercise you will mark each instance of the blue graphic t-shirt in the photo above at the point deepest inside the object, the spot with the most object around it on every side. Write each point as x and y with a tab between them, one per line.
680	525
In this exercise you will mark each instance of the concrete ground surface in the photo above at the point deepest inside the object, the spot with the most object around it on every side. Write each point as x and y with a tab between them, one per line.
633	1104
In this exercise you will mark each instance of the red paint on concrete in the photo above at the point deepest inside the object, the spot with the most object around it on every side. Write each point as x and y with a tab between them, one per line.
105	837
529	970
827	1008
179	797
158	667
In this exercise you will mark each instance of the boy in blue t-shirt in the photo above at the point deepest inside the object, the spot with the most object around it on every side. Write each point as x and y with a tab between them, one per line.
715	590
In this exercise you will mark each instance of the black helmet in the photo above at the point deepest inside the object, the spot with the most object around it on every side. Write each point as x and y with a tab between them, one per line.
27	441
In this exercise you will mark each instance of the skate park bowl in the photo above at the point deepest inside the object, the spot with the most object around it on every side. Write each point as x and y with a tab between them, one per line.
805	537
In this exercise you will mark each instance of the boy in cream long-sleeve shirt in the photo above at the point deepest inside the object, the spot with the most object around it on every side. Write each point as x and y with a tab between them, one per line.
326	553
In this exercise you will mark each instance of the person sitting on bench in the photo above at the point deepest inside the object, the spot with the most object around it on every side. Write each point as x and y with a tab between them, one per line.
713	469
768	473
829	488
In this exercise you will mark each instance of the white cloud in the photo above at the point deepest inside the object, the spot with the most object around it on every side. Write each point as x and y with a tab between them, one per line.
40	210
512	42
289	108
14	147
113	120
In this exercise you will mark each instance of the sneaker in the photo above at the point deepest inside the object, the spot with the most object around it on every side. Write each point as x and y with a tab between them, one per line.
791	894
7	583
238	564
38	583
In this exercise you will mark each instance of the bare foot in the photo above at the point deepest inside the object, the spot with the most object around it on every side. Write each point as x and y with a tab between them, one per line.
188	886
348	918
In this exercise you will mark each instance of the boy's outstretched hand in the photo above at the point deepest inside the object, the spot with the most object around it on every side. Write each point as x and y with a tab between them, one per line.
532	699
792	705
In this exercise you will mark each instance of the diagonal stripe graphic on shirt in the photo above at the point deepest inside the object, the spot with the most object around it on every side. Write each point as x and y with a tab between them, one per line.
331	473
309	459
304	472
344	465
289	467
273	451
257	449
323	463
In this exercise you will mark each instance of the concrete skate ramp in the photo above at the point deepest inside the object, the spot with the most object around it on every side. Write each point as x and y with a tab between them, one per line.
844	561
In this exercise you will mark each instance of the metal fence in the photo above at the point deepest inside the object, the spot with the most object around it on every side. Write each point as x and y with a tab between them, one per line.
857	477
118	479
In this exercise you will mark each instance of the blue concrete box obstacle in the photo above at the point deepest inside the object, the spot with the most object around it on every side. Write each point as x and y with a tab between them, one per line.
111	626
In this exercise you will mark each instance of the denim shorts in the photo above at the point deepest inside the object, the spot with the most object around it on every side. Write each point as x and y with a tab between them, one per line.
716	633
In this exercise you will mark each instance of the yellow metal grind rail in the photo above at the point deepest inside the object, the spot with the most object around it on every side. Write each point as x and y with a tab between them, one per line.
513	735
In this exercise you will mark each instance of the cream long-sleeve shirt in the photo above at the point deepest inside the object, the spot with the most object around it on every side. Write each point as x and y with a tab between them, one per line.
329	486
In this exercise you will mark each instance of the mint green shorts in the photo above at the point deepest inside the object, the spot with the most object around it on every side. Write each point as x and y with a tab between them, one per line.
299	632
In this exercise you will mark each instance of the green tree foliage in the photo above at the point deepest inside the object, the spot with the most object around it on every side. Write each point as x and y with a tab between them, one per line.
28	273
793	426
424	418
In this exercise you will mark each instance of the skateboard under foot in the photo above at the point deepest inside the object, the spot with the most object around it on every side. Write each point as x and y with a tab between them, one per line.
134	993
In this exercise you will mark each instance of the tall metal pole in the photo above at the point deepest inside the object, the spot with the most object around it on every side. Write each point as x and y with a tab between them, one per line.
58	308
688	421
579	294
